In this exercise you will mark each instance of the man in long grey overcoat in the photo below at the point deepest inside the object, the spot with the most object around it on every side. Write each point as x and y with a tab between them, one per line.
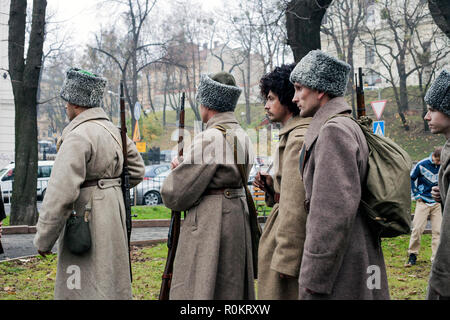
438	117
342	259
281	245
85	181
214	255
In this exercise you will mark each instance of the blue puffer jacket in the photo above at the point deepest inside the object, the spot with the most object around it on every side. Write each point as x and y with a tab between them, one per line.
423	177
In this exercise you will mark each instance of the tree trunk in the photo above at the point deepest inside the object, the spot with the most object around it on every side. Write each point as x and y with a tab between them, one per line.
303	20
25	83
440	10
247	91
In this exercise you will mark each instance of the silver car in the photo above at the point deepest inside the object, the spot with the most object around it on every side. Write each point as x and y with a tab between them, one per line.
148	192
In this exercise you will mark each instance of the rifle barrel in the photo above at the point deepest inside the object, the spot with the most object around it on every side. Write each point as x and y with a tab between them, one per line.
361	107
175	223
125	174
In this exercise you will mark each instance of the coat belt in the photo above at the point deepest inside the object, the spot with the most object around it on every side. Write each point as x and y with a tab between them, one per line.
102	183
227	192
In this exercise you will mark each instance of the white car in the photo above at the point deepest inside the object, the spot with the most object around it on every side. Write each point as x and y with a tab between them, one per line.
7	178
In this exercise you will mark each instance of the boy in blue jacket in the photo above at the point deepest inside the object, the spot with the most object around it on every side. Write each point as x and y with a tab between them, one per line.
424	177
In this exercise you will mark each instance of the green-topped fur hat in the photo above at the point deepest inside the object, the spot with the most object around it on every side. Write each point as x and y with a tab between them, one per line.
218	92
83	88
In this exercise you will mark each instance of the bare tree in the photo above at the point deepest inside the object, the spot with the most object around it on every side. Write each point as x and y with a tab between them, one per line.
24	73
128	51
342	24
303	21
401	20
427	53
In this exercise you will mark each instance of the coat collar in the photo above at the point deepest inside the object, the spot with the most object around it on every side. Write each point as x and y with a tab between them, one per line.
334	106
293	123
90	114
221	117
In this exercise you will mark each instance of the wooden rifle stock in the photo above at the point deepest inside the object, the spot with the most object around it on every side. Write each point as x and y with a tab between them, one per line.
175	223
125	174
361	107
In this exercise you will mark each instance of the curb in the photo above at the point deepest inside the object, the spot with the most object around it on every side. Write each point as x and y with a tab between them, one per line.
140	243
23	229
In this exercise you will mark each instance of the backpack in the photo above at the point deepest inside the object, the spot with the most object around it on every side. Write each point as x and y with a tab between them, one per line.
386	193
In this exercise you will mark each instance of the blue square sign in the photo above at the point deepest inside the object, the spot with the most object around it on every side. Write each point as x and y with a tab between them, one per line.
378	128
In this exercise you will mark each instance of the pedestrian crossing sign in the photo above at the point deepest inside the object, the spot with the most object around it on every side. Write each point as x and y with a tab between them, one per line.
378	128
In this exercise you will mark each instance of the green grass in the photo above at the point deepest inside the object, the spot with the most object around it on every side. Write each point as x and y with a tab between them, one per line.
32	279
147	212
6	221
407	283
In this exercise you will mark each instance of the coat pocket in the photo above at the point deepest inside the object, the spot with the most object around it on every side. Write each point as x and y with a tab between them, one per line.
191	217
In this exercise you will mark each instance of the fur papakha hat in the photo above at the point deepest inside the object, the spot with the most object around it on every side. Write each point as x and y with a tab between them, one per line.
438	95
82	88
218	92
320	71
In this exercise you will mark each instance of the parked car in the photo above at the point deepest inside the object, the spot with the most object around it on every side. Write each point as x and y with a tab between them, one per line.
154	170
148	192
7	178
258	167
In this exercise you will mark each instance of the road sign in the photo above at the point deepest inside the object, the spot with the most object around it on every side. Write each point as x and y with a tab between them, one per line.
378	128
378	107
136	134
137	110
140	146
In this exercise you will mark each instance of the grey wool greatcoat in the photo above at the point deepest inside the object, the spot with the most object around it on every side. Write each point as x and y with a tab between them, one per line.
342	259
439	284
281	244
88	152
213	259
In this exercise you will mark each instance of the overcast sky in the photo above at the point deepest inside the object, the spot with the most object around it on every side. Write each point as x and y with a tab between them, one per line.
84	17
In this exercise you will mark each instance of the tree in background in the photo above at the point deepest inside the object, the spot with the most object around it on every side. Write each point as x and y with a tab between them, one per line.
440	10
342	24
128	52
303	21
24	73
393	41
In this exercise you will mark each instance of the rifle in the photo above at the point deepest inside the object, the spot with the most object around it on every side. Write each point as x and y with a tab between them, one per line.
125	174
361	107
175	222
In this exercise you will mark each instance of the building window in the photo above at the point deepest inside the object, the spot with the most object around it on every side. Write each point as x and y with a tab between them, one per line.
370	54
370	14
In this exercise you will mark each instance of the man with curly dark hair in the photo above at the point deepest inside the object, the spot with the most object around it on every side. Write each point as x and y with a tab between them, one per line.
281	244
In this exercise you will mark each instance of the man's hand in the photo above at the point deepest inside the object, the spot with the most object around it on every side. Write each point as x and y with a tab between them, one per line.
44	254
263	181
175	162
435	193
309	291
286	276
